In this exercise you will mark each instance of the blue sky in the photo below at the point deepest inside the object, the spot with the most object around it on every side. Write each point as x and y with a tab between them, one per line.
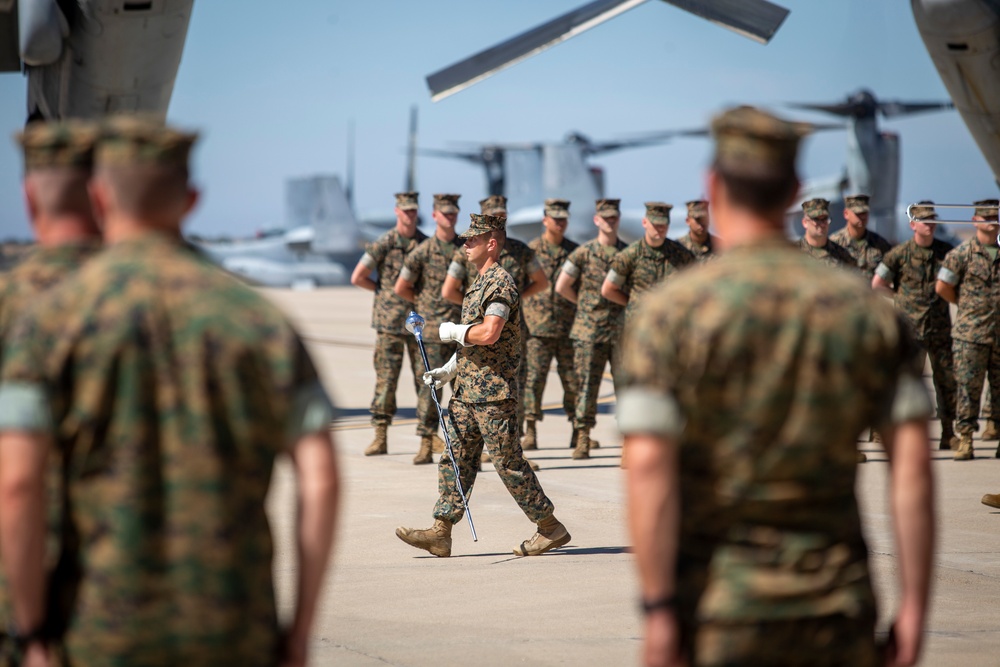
273	92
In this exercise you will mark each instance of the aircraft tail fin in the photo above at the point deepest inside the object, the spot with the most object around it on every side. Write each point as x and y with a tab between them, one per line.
321	202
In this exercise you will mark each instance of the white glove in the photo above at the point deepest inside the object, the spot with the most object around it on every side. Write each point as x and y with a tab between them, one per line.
439	377
449	331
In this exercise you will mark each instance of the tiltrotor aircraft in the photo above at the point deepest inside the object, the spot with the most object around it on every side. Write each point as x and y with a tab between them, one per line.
961	36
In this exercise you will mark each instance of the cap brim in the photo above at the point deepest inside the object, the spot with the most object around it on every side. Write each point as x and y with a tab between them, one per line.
472	231
859	209
447	209
559	215
407	207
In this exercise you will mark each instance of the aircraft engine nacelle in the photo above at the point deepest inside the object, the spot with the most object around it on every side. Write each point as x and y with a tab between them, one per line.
101	56
963	39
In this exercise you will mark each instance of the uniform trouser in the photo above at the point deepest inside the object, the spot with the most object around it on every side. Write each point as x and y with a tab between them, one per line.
973	363
987	412
807	642
389	350
539	359
522	378
590	358
470	427
939	349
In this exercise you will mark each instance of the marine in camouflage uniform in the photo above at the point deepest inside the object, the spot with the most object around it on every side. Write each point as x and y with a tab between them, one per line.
58	160
597	328
386	256
482	411
698	240
910	270
758	441
420	282
864	246
520	262
970	277
646	262
815	241
549	318
168	389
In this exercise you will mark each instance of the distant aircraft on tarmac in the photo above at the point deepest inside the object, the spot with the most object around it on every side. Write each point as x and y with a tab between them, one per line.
961	36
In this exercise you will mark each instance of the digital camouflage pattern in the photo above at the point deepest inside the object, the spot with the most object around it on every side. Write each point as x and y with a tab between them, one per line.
831	641
970	268
426	268
547	314
62	144
597	319
701	251
484	223
772	392
975	363
831	254
608	207
130	139
913	270
407	201
387	255
171	389
754	144
857	203
541	352
489	373
446	203
866	252
42	269
658	212
590	360
388	363
640	267
549	318
817	208
470	427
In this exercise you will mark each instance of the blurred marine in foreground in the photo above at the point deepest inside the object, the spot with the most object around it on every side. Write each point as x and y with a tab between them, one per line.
747	381
165	390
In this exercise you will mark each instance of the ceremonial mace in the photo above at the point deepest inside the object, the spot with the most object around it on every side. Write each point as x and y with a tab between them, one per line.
415	325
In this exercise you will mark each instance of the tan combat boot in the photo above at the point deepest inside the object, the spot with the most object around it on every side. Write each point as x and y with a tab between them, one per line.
582	449
965	451
992	500
424	453
437	444
551	535
594	444
380	445
530	440
990	432
436	539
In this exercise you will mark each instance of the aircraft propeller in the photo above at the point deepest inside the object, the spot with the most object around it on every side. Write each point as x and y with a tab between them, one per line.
756	19
864	104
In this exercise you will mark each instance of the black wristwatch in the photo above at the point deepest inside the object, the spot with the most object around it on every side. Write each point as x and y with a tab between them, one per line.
22	639
665	602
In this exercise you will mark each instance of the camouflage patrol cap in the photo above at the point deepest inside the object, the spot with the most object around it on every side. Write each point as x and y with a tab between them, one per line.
924	210
608	208
816	209
494	205
407	201
857	203
484	224
446	203
658	212
58	144
140	139
697	208
754	144
986	208
557	208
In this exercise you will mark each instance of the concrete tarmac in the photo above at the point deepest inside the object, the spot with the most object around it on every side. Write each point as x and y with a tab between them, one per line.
386	603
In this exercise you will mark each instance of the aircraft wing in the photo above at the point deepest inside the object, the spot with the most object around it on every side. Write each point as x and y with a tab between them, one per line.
10	58
756	19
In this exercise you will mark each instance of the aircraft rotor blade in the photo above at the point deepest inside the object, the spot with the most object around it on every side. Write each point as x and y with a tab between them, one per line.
840	109
896	108
755	19
473	69
476	158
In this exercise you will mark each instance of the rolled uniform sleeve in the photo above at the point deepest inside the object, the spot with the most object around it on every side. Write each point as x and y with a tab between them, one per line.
615	279
946	275
24	406
885	273
456	270
368	261
408	275
571	269
310	409
499	309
